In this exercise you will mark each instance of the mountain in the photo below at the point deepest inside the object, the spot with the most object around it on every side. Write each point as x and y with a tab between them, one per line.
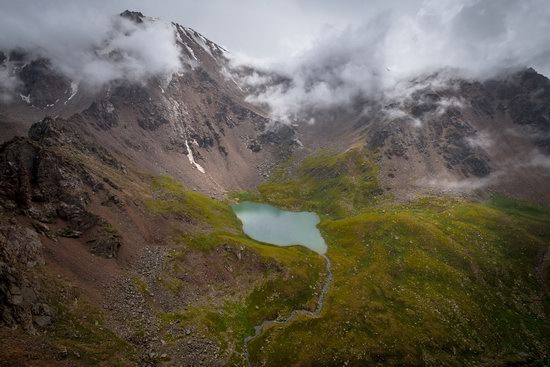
118	245
198	116
447	135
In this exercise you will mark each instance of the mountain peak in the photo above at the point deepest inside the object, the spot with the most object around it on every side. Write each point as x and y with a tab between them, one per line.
134	16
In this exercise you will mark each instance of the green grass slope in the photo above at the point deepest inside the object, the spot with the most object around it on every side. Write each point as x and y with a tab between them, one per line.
438	281
270	281
330	184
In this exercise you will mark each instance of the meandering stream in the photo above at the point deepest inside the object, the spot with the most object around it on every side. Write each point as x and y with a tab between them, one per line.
268	224
258	329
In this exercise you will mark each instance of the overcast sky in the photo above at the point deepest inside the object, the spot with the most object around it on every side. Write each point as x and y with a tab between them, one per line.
333	50
270	28
259	28
278	28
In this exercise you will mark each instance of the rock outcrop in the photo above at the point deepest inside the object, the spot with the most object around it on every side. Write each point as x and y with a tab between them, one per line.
41	183
21	303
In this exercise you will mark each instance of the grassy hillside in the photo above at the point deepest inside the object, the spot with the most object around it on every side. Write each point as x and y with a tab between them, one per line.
245	283
438	281
330	184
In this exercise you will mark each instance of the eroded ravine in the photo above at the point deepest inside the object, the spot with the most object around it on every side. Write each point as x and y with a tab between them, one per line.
266	324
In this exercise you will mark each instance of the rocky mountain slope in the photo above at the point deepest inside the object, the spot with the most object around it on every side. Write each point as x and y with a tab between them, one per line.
79	221
441	134
118	246
195	120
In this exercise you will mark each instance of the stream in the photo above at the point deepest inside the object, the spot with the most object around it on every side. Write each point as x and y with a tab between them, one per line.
271	225
258	329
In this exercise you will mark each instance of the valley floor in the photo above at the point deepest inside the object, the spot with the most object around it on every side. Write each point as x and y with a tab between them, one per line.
435	281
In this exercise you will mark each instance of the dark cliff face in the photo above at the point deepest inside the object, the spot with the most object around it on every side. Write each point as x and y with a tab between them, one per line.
21	302
526	97
42	183
42	85
431	134
39	84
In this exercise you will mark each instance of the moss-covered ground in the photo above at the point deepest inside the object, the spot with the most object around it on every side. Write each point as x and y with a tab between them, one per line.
83	337
330	184
437	281
283	278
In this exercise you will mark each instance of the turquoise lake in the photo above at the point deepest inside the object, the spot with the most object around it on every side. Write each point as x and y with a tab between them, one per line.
268	224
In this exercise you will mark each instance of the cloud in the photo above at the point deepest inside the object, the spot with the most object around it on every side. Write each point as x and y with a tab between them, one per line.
445	104
8	84
87	45
466	38
397	113
481	140
509	168
539	160
364	48
459	185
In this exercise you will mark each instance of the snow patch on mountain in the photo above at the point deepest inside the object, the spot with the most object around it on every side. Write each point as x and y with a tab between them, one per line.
192	159
208	46
74	91
26	99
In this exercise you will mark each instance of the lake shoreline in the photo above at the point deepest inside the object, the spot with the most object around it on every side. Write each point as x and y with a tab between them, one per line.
268	224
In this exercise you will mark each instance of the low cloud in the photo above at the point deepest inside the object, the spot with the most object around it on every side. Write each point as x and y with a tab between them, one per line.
481	140
87	45
509	168
445	104
459	185
539	160
8	84
474	39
